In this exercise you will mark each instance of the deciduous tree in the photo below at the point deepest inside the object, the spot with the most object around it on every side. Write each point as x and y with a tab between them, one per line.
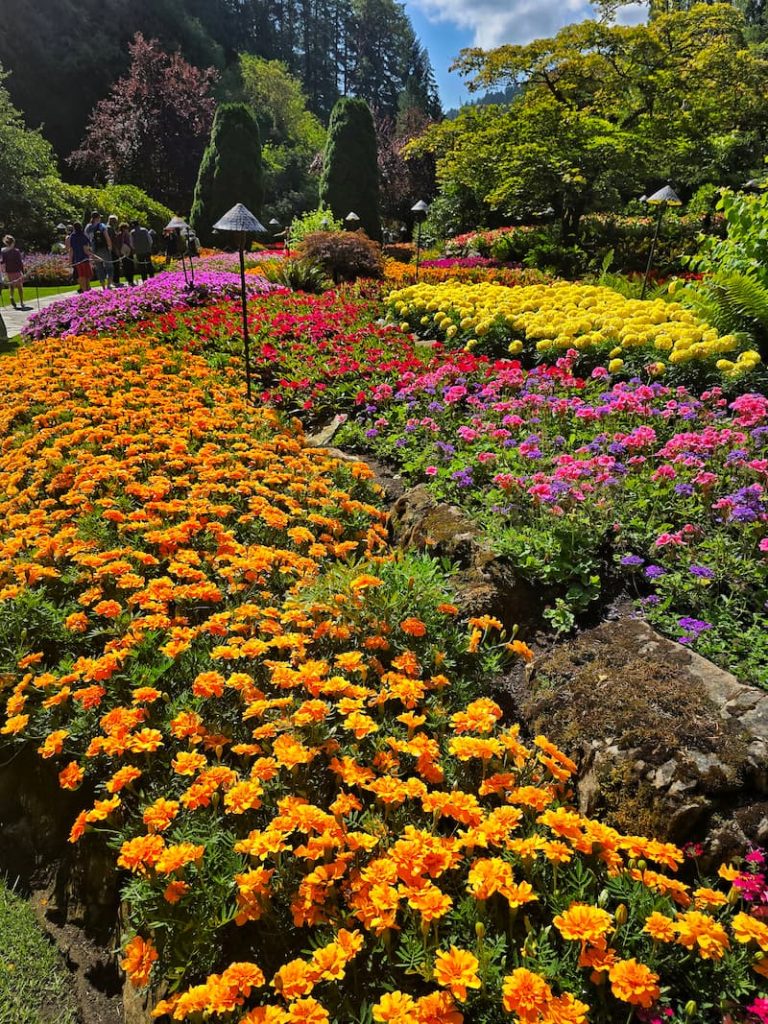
152	128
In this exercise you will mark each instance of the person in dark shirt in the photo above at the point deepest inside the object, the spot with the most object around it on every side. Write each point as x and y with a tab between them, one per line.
12	266
79	252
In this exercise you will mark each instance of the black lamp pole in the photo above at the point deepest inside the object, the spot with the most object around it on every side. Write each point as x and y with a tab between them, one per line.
244	302
240	221
663	198
419	211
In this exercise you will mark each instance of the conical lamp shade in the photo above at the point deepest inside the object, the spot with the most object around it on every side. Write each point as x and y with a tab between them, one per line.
665	195
240	218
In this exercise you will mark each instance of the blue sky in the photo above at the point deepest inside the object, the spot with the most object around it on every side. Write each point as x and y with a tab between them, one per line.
445	26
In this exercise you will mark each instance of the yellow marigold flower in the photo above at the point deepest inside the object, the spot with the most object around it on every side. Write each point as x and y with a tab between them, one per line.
749	929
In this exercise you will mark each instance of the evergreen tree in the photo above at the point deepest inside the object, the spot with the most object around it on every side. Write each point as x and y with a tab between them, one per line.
350	178
231	170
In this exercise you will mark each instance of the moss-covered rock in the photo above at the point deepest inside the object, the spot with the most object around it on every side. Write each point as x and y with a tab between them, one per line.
662	737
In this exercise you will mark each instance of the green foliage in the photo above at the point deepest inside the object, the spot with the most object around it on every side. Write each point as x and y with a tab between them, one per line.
304	276
35	987
345	255
608	110
744	250
75	202
231	171
27	167
350	178
320	219
292	136
733	303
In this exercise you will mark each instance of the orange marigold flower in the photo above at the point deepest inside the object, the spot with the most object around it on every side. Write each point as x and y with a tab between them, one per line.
140	955
159	815
307	1011
749	929
123	777
71	776
174	891
704	898
634	983
395	1008
660	927
140	853
77	622
294	980
413	627
208	684
526	994
583	923
109	609
438	1008
174	858
703	933
53	744
457	970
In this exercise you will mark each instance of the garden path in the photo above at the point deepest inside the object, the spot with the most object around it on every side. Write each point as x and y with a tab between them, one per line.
15	319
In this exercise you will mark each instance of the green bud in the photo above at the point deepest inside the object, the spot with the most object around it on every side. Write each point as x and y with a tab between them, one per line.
690	1008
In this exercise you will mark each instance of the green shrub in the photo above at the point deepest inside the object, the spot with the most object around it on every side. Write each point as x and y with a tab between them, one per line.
304	275
344	255
320	219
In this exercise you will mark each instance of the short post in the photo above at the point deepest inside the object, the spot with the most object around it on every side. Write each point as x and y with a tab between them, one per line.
419	211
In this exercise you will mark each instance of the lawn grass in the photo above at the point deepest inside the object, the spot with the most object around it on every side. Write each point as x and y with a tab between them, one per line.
35	987
30	294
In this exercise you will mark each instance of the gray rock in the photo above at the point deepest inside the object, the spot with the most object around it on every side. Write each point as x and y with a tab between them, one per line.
668	744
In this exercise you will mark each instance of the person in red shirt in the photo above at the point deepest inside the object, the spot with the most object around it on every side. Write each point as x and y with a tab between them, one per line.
12	265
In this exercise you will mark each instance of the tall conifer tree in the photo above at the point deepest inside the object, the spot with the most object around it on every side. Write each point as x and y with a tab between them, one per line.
231	170
350	179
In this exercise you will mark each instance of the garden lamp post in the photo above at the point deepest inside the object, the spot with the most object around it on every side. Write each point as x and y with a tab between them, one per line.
419	211
241	222
179	225
663	198
274	226
352	221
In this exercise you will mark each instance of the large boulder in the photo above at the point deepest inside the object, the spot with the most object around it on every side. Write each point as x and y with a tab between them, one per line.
484	583
668	744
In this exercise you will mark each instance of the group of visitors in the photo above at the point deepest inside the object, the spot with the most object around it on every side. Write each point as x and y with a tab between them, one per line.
111	252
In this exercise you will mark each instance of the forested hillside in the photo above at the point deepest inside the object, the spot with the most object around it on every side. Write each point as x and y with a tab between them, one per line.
64	54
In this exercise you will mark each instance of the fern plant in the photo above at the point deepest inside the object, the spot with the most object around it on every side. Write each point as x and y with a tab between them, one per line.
732	303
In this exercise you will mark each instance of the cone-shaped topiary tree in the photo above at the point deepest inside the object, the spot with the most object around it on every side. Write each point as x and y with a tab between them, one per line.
350	178
231	170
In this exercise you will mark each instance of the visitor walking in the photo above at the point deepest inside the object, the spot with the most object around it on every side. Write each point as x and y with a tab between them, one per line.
79	253
12	266
125	253
101	249
141	243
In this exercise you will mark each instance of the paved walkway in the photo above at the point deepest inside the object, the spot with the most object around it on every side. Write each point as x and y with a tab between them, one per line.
15	319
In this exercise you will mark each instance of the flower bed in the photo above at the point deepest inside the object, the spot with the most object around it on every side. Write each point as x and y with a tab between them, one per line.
286	731
105	310
544	321
578	481
473	270
311	355
43	269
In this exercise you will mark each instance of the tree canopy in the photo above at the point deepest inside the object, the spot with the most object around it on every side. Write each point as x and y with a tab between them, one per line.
292	137
607	110
350	178
152	128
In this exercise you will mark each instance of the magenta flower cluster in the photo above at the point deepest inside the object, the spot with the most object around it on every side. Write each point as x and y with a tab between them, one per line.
101	311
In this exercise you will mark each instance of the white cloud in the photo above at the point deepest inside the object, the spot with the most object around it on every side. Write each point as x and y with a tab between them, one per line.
493	22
